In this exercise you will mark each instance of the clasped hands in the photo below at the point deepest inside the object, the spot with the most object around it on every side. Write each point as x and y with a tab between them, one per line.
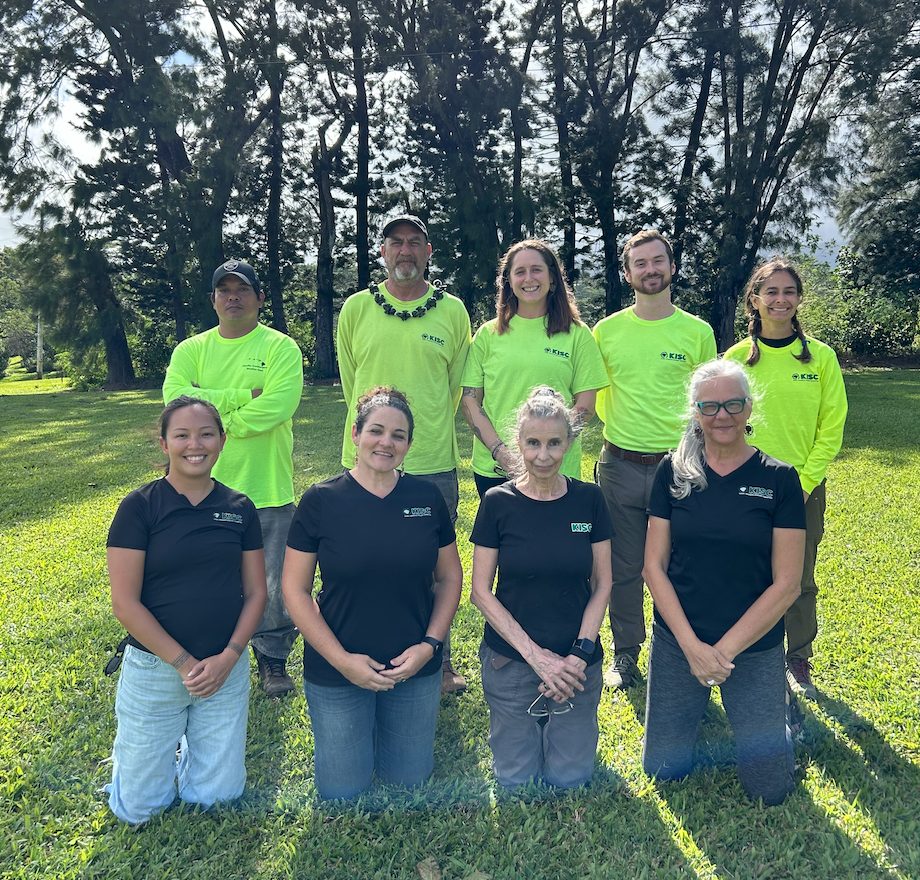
368	673
560	677
708	664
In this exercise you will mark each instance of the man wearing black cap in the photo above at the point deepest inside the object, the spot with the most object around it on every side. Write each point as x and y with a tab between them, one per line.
254	376
405	333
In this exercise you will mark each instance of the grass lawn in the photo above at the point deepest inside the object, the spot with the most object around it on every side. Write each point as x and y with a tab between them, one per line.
67	459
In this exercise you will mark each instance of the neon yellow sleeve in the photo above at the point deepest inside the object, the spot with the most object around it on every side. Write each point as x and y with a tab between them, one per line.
183	371
343	344
832	415
279	398
458	361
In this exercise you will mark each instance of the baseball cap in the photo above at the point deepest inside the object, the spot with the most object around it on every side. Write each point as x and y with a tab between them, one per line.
411	219
242	270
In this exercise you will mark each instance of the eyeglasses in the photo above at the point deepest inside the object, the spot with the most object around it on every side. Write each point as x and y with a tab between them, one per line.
542	708
712	407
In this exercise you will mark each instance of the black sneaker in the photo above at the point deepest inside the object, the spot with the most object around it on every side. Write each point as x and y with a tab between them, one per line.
273	675
623	673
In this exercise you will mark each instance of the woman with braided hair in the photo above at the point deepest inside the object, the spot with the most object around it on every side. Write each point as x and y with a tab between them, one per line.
801	414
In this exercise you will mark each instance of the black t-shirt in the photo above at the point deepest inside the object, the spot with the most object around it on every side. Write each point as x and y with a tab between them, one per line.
722	541
545	560
376	557
193	581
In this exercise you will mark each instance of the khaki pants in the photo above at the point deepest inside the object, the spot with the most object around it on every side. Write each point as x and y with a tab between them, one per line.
802	617
626	487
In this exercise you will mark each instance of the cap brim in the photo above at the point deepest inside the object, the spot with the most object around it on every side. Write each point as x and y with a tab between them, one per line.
239	275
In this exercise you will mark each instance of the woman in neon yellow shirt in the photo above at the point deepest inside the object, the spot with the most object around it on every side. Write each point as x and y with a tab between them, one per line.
802	408
537	338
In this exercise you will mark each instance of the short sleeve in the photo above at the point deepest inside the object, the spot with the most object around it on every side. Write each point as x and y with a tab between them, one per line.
659	502
252	537
446	533
303	534
590	373
485	528
130	527
473	372
602	530
789	512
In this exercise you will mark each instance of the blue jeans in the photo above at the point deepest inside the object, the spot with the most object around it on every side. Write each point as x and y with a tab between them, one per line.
357	731
276	634
754	698
155	713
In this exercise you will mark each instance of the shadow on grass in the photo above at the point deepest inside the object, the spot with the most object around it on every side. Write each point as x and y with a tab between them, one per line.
465	826
799	838
885	784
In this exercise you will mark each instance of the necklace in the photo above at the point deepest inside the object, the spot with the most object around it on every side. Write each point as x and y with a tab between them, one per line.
404	314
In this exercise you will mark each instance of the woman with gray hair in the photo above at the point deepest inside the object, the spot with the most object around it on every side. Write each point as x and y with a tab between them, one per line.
548	537
723	562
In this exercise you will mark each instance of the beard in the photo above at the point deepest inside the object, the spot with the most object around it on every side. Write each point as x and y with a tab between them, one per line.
406	271
658	283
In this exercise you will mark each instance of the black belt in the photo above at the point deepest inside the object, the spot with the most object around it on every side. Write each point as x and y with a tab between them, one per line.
646	458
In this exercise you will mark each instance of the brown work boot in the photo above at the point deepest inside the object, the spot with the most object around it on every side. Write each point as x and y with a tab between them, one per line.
451	682
272	675
798	675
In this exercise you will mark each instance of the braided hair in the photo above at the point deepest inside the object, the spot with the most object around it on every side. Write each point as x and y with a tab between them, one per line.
758	278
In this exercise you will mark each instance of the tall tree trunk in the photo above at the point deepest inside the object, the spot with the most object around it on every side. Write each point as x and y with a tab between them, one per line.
96	274
275	77
567	179
613	287
362	186
517	190
324	364
174	259
685	186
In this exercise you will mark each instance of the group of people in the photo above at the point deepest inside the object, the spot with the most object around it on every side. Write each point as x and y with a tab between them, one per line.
215	555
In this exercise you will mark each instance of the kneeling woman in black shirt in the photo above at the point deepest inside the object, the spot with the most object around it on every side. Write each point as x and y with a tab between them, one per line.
549	538
723	562
372	658
188	583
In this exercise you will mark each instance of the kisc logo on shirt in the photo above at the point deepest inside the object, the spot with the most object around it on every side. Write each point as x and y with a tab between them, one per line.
555	352
428	337
409	512
756	492
806	377
581	528
673	356
228	517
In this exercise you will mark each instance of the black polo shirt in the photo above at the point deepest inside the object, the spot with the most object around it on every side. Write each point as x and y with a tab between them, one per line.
192	569
545	560
722	541
376	558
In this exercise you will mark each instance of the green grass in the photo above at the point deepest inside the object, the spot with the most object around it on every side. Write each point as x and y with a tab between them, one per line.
67	459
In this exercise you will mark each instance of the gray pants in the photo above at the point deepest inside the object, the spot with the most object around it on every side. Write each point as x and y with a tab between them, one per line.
276	634
449	485
802	617
626	487
754	697
561	751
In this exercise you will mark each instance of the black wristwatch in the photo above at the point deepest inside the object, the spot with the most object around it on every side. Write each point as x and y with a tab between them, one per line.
583	649
436	644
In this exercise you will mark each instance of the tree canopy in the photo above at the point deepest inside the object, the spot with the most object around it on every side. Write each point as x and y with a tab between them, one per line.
285	130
